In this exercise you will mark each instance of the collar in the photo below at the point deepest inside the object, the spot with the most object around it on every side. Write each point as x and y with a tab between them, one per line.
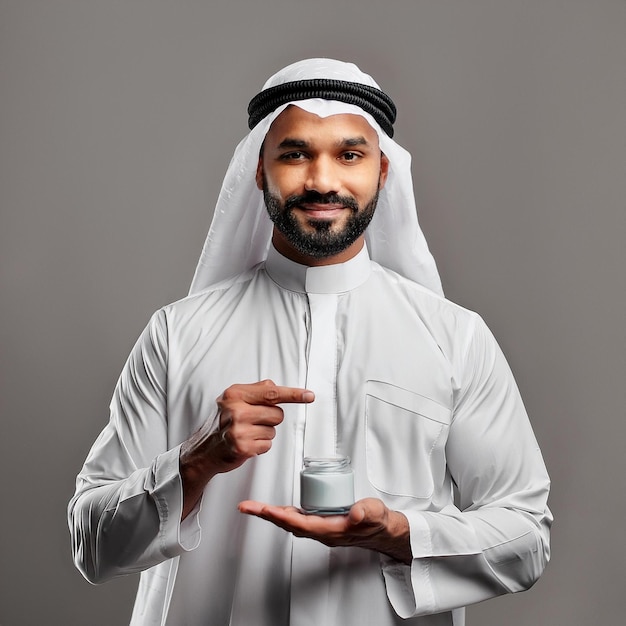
328	279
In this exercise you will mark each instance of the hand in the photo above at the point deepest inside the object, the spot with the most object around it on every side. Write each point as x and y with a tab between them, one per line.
248	417
369	524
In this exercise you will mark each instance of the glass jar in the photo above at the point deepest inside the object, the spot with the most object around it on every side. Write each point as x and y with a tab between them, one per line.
326	485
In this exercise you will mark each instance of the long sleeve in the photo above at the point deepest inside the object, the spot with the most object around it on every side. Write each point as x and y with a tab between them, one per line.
125	514
497	540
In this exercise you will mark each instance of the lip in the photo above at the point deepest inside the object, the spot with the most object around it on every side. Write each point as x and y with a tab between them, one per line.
322	211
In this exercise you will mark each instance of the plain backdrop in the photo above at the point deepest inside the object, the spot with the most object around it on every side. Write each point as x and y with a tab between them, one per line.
117	122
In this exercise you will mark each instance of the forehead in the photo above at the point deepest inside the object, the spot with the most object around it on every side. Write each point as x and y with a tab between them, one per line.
297	123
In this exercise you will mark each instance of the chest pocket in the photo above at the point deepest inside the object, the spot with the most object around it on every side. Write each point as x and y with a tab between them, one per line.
405	436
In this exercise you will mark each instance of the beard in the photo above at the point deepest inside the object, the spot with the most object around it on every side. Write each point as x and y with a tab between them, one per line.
321	241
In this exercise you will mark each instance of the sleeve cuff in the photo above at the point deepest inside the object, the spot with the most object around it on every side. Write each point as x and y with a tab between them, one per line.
409	587
166	489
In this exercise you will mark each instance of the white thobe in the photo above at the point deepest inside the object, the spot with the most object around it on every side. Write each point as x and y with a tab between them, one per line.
413	388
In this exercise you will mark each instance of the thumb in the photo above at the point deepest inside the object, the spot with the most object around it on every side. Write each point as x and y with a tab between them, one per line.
357	514
370	511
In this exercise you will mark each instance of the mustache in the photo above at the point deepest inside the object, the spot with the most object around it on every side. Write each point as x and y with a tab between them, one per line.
314	197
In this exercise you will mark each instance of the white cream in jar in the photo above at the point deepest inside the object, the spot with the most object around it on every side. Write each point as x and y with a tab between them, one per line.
326	485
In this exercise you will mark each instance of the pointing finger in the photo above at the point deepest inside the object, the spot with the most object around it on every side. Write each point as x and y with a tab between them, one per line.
267	393
288	395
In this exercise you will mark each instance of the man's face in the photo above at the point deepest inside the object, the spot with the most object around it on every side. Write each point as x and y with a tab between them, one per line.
320	178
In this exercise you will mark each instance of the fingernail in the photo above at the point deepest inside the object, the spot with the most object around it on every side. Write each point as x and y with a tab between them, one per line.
308	396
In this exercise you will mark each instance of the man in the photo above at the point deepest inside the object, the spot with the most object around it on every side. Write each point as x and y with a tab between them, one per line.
365	359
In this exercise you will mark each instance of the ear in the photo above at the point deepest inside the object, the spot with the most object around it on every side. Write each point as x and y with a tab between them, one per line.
384	170
259	174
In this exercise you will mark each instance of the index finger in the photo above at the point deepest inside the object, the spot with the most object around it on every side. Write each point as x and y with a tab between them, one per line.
268	393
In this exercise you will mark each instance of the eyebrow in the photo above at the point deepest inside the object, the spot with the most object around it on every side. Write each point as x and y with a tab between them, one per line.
354	141
290	142
350	142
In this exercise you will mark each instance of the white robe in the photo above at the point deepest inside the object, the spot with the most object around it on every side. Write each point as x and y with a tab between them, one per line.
413	388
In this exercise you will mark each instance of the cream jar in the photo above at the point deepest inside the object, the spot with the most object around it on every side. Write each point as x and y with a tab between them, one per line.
326	485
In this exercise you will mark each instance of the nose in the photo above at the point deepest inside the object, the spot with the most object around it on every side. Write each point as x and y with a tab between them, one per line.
322	176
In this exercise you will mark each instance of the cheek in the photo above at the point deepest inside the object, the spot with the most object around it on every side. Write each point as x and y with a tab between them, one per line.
365	188
284	183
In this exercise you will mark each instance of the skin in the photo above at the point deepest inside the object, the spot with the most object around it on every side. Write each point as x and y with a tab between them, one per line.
249	416
336	156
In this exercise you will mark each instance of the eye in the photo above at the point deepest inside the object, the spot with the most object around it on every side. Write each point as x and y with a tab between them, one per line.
350	157
293	156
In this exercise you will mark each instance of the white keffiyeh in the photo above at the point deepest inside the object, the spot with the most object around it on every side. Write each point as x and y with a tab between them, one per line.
240	233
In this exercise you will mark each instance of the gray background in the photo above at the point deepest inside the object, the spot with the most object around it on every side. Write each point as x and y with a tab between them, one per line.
117	122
